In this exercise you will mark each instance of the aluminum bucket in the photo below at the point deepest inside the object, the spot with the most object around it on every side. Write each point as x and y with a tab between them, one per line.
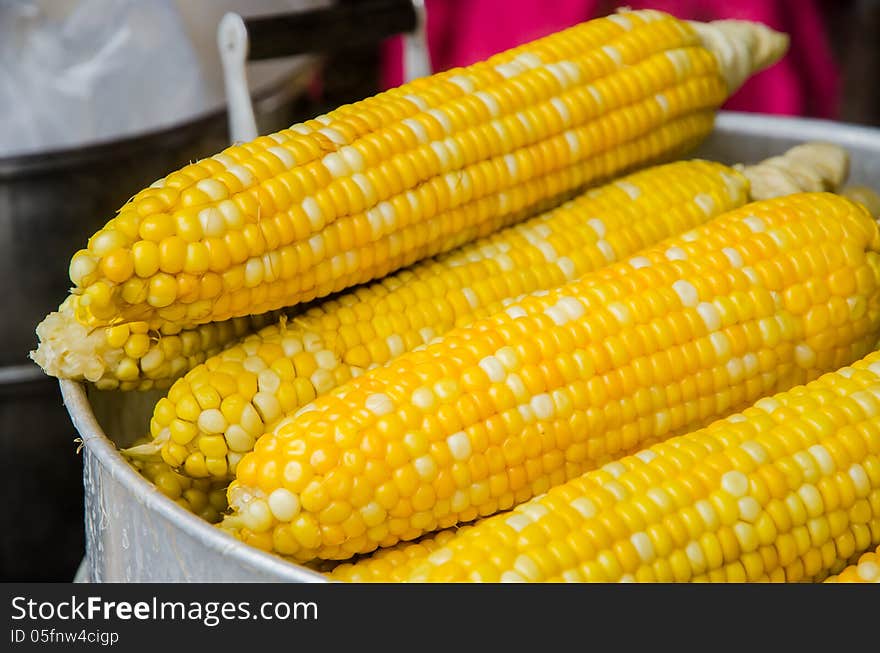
134	533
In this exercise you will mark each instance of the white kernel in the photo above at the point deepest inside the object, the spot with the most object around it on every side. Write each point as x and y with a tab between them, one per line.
490	102
515	312
633	191
512	165
696	556
733	256
572	307
645	455
325	359
284	504
823	459
313	213
735	370
336	165
562	110
707	514
237	439
860	480
573	142
615	468
686	293
567	266
268	380
606	249
804	356
379	404
768	404
440	556
675	254
663	103
735	483
547	251
706	203
212	421
529	59
417	100
721	344
517	387
756	451
527	567
534	510
417	128
511	577
557	315
542	406
690	236
425	467
459	445
463	82
242	174
638	262
423	398
620	312
710	314
585	507
336	137
749	509
621	20
755	223
395	344
254	364
268	406
232	215
643	546
213	189
353	158
212	221
508	70
493	369
366	187
598	226
518	521
812	499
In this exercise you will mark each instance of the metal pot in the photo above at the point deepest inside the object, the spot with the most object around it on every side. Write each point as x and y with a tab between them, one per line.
134	533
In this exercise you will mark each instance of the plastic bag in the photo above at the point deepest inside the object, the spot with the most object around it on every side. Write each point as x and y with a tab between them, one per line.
105	69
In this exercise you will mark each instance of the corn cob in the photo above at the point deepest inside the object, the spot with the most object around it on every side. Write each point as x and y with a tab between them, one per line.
132	356
788	491
865	570
604	225
379	184
212	417
758	300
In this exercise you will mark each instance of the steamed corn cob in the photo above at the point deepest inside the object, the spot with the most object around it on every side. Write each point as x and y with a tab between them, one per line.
412	172
344	337
865	570
213	416
133	356
788	490
758	300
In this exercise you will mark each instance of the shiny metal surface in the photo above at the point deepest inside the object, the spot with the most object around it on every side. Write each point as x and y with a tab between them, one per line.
134	533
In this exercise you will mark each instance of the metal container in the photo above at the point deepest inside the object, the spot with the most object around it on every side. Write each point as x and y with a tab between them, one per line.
134	533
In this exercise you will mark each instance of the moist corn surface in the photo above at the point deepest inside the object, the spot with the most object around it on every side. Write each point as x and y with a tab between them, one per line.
786	491
381	183
213	416
758	300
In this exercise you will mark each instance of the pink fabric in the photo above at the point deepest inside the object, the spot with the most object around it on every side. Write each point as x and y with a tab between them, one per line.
805	82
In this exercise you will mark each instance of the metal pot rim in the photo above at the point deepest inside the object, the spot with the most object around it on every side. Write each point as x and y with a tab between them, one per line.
77	404
212	538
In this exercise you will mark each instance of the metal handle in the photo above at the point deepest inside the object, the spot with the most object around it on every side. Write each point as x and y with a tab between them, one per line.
266	37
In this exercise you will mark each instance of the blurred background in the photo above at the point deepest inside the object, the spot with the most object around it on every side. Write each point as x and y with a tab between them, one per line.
99	98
